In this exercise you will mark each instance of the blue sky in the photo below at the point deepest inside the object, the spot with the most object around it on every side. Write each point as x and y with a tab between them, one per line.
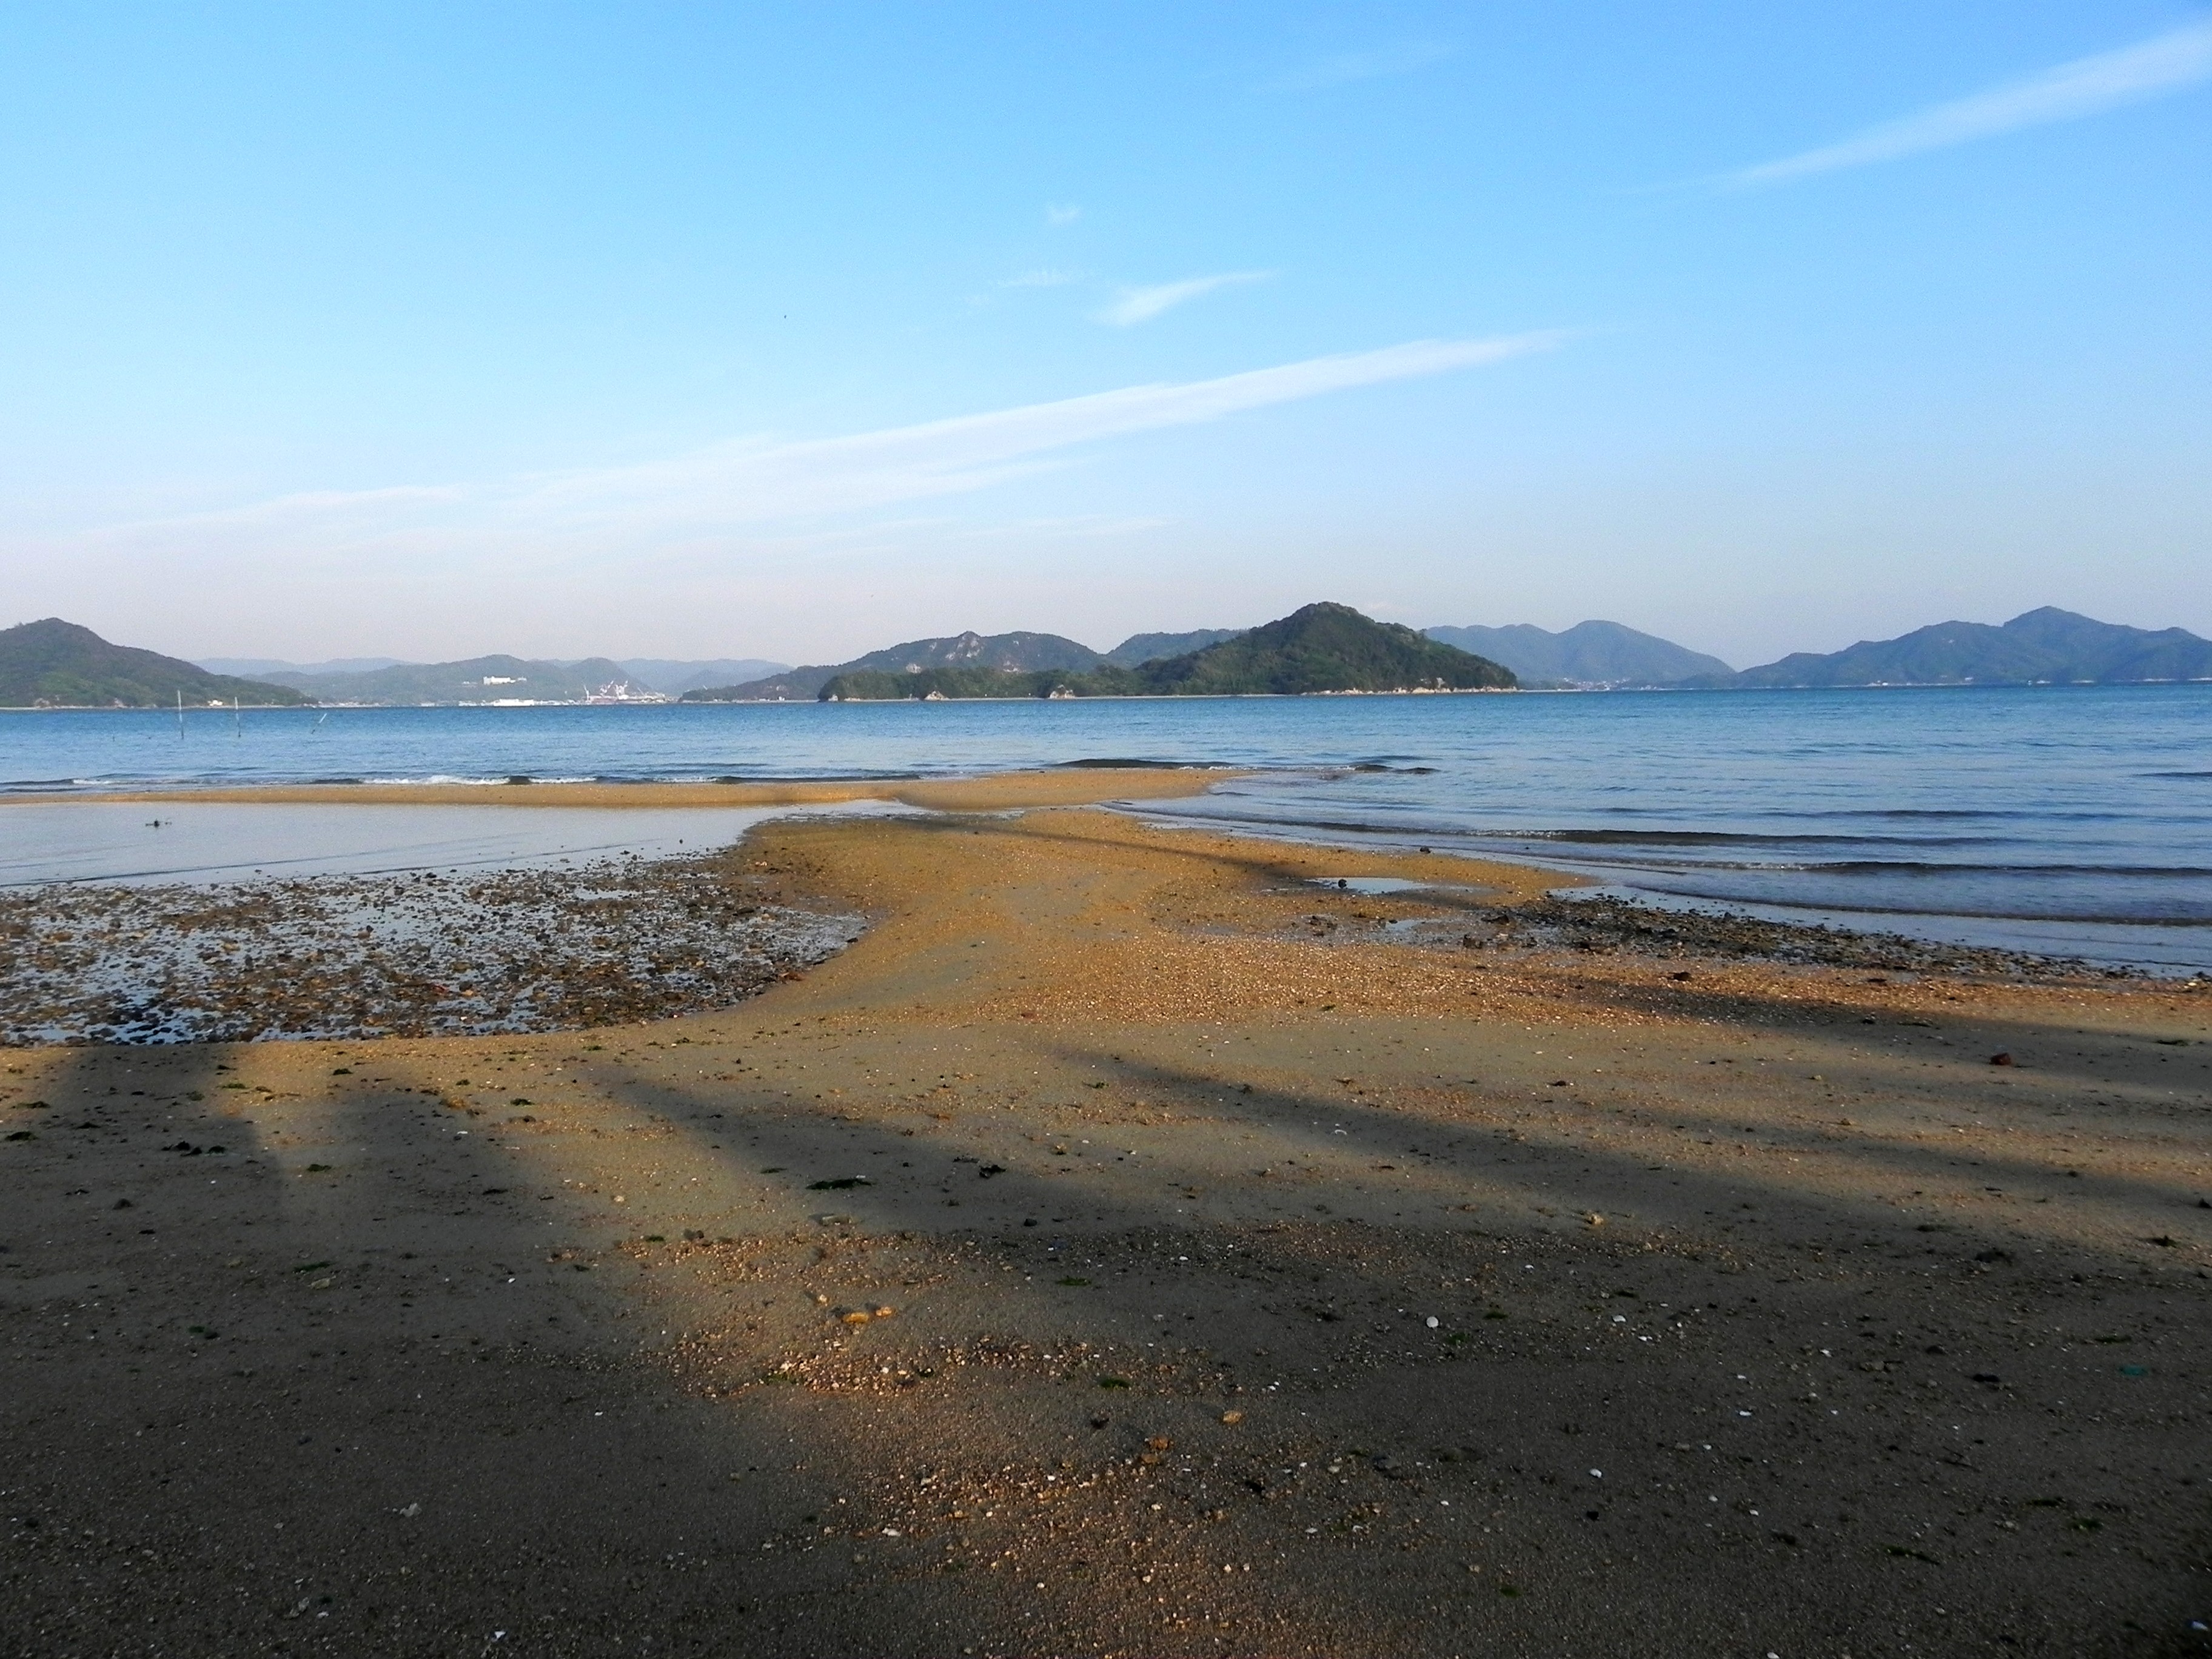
790	332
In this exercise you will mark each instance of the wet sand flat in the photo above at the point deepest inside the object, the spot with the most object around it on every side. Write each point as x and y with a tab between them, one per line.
1130	1246
1081	784
226	843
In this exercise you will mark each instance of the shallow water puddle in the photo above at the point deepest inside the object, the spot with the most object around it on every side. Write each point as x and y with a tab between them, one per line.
1375	885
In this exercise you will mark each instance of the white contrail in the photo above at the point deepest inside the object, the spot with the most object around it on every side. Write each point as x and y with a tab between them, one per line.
1142	305
749	482
2170	63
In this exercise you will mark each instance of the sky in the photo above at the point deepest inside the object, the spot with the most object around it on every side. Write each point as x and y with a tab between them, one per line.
703	331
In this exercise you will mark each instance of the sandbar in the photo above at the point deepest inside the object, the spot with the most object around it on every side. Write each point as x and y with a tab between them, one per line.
1131	1245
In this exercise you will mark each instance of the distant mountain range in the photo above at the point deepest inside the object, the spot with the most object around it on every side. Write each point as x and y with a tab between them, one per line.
478	680
2047	646
1590	653
53	663
1319	649
346	678
675	677
57	664
260	667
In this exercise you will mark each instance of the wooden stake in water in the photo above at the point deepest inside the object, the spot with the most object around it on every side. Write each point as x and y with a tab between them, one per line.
180	714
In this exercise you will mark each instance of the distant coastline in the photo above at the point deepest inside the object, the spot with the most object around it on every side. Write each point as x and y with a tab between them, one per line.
1322	650
675	705
679	704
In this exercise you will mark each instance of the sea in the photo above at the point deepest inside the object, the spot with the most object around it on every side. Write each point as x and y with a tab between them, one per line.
2072	821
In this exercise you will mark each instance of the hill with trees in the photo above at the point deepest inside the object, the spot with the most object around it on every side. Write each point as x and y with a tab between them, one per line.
1016	653
1141	648
2049	646
1323	648
52	664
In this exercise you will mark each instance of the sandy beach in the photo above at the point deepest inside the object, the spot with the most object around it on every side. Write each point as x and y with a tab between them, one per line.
1130	1245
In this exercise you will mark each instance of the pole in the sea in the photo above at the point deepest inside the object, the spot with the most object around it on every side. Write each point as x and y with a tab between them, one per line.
180	714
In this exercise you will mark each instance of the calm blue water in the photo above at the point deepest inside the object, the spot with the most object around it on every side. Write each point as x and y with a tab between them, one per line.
2067	818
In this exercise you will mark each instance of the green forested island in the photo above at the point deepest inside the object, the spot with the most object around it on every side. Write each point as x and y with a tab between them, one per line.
52	664
1321	649
2046	647
986	654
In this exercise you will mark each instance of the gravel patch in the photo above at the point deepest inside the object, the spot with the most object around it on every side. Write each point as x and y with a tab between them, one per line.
416	955
1623	924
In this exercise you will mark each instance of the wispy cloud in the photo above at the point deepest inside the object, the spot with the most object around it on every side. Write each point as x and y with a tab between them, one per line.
731	487
1401	59
2088	86
1047	278
1061	212
1142	305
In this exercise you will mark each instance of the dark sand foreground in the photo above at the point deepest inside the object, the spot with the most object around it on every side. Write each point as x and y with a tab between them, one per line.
1128	1248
